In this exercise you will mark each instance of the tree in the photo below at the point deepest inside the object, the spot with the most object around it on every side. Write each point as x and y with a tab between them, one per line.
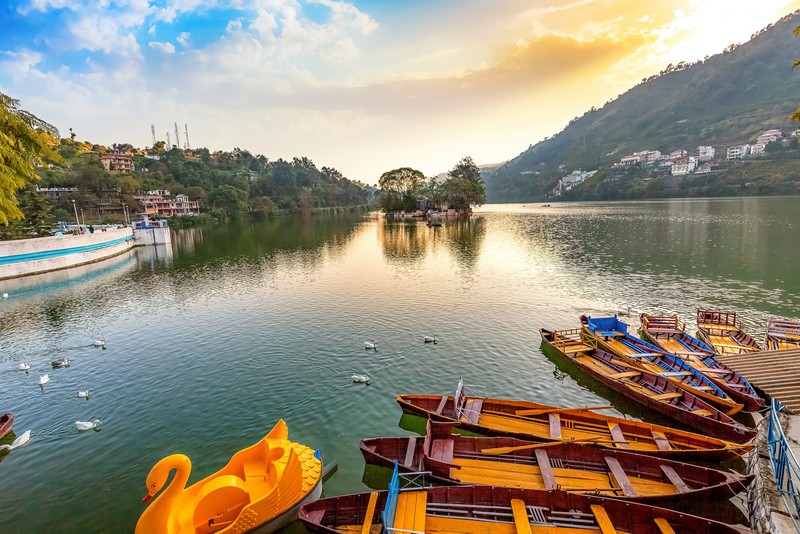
24	141
399	188
796	115
229	199
465	186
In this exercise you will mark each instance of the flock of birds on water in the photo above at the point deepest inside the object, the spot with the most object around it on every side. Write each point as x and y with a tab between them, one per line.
59	363
371	344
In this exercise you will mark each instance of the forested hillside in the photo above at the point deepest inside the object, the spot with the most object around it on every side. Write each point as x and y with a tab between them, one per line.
724	100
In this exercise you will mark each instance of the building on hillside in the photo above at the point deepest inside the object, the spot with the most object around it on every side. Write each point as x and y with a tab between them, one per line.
158	205
677	154
684	165
738	152
705	168
54	193
117	162
705	153
571	180
769	136
757	149
645	156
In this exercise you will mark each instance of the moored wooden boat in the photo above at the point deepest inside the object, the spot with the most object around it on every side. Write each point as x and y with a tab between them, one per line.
448	458
262	486
668	334
649	389
611	335
495	510
782	334
6	423
541	422
722	332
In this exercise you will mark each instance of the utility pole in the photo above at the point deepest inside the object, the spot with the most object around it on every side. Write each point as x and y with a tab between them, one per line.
153	131
186	136
177	138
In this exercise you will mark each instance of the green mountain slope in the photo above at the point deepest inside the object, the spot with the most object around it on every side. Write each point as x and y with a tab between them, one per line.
725	100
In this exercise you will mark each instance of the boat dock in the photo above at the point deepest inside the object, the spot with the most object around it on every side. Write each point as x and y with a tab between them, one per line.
776	373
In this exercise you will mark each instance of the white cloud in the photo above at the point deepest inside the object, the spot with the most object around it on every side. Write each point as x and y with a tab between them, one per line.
183	39
167	48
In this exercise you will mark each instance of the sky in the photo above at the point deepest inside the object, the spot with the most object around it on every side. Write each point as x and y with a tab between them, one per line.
363	86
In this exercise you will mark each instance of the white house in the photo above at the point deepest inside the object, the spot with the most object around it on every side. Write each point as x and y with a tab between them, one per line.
769	136
705	153
738	152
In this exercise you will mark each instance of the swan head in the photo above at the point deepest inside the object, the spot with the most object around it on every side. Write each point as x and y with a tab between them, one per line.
158	475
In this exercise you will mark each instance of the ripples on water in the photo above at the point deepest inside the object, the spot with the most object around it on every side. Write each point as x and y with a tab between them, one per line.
213	340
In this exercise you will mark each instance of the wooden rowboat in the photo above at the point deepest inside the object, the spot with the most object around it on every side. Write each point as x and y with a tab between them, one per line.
721	331
495	510
668	334
451	459
6	422
611	335
782	334
648	389
541	422
262	486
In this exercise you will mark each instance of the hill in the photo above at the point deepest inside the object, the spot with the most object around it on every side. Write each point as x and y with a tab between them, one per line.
724	100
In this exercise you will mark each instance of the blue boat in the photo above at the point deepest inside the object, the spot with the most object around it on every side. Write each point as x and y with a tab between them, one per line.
611	335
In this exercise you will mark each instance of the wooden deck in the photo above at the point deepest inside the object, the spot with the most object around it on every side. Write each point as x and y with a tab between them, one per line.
776	373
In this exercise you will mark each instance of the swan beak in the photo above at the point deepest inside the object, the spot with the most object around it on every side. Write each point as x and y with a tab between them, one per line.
147	498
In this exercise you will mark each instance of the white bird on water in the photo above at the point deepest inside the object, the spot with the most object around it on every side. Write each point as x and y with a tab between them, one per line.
83	393
43	379
21	440
361	378
24	366
429	339
87	425
100	342
371	344
5	295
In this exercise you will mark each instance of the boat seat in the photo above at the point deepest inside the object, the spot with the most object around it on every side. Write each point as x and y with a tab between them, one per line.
442	450
520	512
661	440
472	410
412	445
676	480
571	349
617	436
555	425
668	396
702	411
619	475
603	521
373	500
663	525
441	405
625	374
545	469
410	514
219	502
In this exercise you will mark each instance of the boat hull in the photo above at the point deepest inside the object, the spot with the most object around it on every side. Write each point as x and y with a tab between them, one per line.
6	423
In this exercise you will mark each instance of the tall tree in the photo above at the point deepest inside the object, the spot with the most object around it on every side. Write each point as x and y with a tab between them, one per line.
24	141
465	186
399	188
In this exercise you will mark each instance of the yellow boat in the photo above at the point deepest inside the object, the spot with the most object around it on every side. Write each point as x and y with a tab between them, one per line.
263	486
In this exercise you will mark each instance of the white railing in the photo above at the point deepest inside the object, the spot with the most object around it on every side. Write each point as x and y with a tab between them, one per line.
784	465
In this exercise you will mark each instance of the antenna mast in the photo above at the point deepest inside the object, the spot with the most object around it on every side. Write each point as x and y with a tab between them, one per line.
169	145
186	136
177	138
153	131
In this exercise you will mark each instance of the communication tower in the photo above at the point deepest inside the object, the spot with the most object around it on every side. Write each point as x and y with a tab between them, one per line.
169	145
186	137
153	131
177	138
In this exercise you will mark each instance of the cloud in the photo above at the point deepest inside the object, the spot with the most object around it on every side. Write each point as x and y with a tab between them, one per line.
167	48
183	39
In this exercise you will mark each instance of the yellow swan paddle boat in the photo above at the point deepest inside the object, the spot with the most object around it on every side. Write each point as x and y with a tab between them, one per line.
263	486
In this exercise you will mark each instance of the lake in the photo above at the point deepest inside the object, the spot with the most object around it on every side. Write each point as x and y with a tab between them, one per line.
212	340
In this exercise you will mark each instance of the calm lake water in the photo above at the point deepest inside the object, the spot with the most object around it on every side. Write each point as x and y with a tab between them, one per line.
213	340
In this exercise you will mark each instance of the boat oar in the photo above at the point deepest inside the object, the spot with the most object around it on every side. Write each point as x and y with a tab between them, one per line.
540	411
506	450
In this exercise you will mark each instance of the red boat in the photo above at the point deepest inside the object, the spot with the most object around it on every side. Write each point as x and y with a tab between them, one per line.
6	422
453	459
496	510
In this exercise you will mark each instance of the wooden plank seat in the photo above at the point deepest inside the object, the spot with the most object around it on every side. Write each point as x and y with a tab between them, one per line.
571	349
555	425
521	521
625	374
617	435
472	410
702	411
411	508
442	450
667	396
373	500
602	519
661	440
676	480
412	445
663	525
621	478
439	409
545	469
